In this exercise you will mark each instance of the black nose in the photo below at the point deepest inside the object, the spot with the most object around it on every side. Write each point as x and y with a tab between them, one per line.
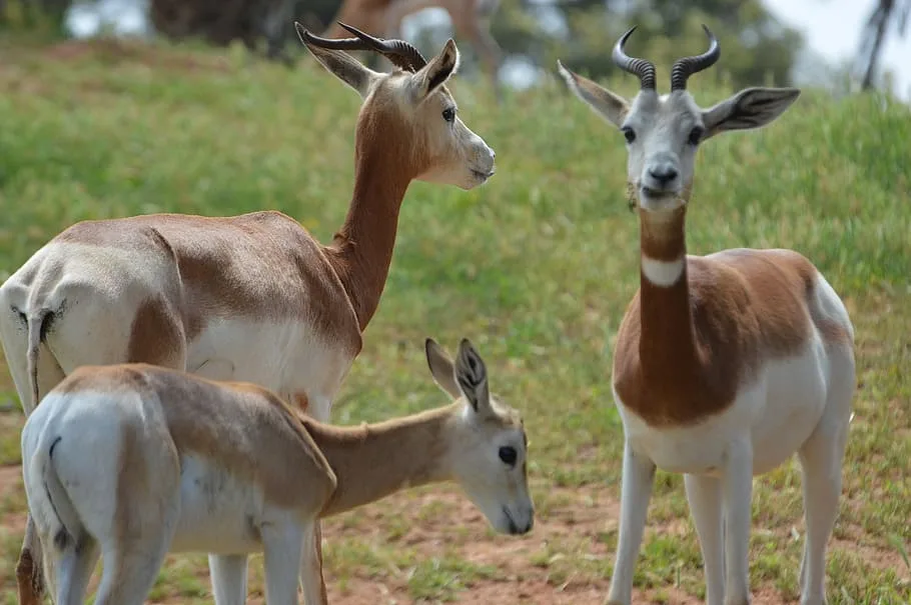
663	173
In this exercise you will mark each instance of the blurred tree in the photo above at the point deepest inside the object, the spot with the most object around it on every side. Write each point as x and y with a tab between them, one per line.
886	14
29	14
755	47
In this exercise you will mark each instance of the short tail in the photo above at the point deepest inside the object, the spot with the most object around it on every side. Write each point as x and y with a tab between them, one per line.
49	501
36	331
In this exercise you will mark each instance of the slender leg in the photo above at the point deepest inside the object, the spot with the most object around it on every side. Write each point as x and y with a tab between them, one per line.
311	572
635	493
229	578
130	570
737	489
29	574
704	495
821	460
282	543
74	567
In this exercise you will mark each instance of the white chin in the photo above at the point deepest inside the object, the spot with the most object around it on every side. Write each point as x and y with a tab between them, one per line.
656	203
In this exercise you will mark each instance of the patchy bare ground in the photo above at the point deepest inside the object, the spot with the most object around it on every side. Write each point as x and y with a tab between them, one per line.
442	523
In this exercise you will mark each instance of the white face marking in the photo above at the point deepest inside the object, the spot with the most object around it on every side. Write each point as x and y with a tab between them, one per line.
662	154
662	273
498	489
460	157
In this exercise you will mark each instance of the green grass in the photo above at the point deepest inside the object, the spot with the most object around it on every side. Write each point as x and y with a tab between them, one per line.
536	268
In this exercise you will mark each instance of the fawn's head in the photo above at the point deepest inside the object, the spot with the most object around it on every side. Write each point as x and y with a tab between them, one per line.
488	449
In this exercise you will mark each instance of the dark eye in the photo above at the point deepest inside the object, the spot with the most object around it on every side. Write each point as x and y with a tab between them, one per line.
508	455
449	114
696	135
629	134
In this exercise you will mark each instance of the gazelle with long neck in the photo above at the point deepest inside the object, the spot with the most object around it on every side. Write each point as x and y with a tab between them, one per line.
252	297
130	462
724	364
470	22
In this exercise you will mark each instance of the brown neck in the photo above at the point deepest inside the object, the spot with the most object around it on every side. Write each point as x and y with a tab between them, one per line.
667	347
362	249
373	461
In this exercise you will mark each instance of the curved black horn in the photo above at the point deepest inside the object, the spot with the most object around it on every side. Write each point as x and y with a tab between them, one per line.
401	53
638	67
687	66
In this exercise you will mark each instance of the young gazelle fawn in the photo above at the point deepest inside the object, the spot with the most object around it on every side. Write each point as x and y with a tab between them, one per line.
130	462
253	297
725	364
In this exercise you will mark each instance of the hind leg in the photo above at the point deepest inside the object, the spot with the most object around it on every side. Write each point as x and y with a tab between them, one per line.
821	460
282	546
132	558
74	566
229	578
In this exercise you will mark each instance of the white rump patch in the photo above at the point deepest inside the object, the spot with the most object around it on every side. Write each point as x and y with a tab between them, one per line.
662	273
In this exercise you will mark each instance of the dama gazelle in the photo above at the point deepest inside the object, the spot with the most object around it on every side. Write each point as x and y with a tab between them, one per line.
253	297
725	364
130	462
470	22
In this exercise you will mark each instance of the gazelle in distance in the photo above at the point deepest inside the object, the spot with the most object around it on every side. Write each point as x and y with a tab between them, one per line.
253	297
470	22
724	364
130	462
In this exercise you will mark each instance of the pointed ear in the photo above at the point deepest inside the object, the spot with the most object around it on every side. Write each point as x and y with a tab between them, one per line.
471	374
608	105
749	108
345	67
441	368
436	72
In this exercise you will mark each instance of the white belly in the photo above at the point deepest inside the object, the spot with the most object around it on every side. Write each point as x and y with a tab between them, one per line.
219	513
285	357
775	415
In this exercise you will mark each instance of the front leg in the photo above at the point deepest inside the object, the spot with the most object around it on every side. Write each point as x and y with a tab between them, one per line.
704	496
635	493
737	491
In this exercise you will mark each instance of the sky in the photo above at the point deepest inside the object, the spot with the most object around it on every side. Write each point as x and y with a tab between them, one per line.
831	29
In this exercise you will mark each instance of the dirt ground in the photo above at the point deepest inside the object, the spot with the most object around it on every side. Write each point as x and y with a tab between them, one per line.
518	580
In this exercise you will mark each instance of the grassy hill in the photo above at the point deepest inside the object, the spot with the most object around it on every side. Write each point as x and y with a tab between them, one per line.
536	268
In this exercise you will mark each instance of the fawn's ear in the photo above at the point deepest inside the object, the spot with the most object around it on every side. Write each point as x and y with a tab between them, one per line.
437	71
610	106
345	67
441	368
471	374
749	108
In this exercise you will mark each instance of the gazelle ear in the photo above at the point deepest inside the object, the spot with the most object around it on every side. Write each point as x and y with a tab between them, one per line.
345	67
749	108
471	374
437	71
610	106
441	368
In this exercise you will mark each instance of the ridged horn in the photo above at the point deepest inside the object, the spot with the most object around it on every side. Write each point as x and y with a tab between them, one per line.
687	66
645	70
401	53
